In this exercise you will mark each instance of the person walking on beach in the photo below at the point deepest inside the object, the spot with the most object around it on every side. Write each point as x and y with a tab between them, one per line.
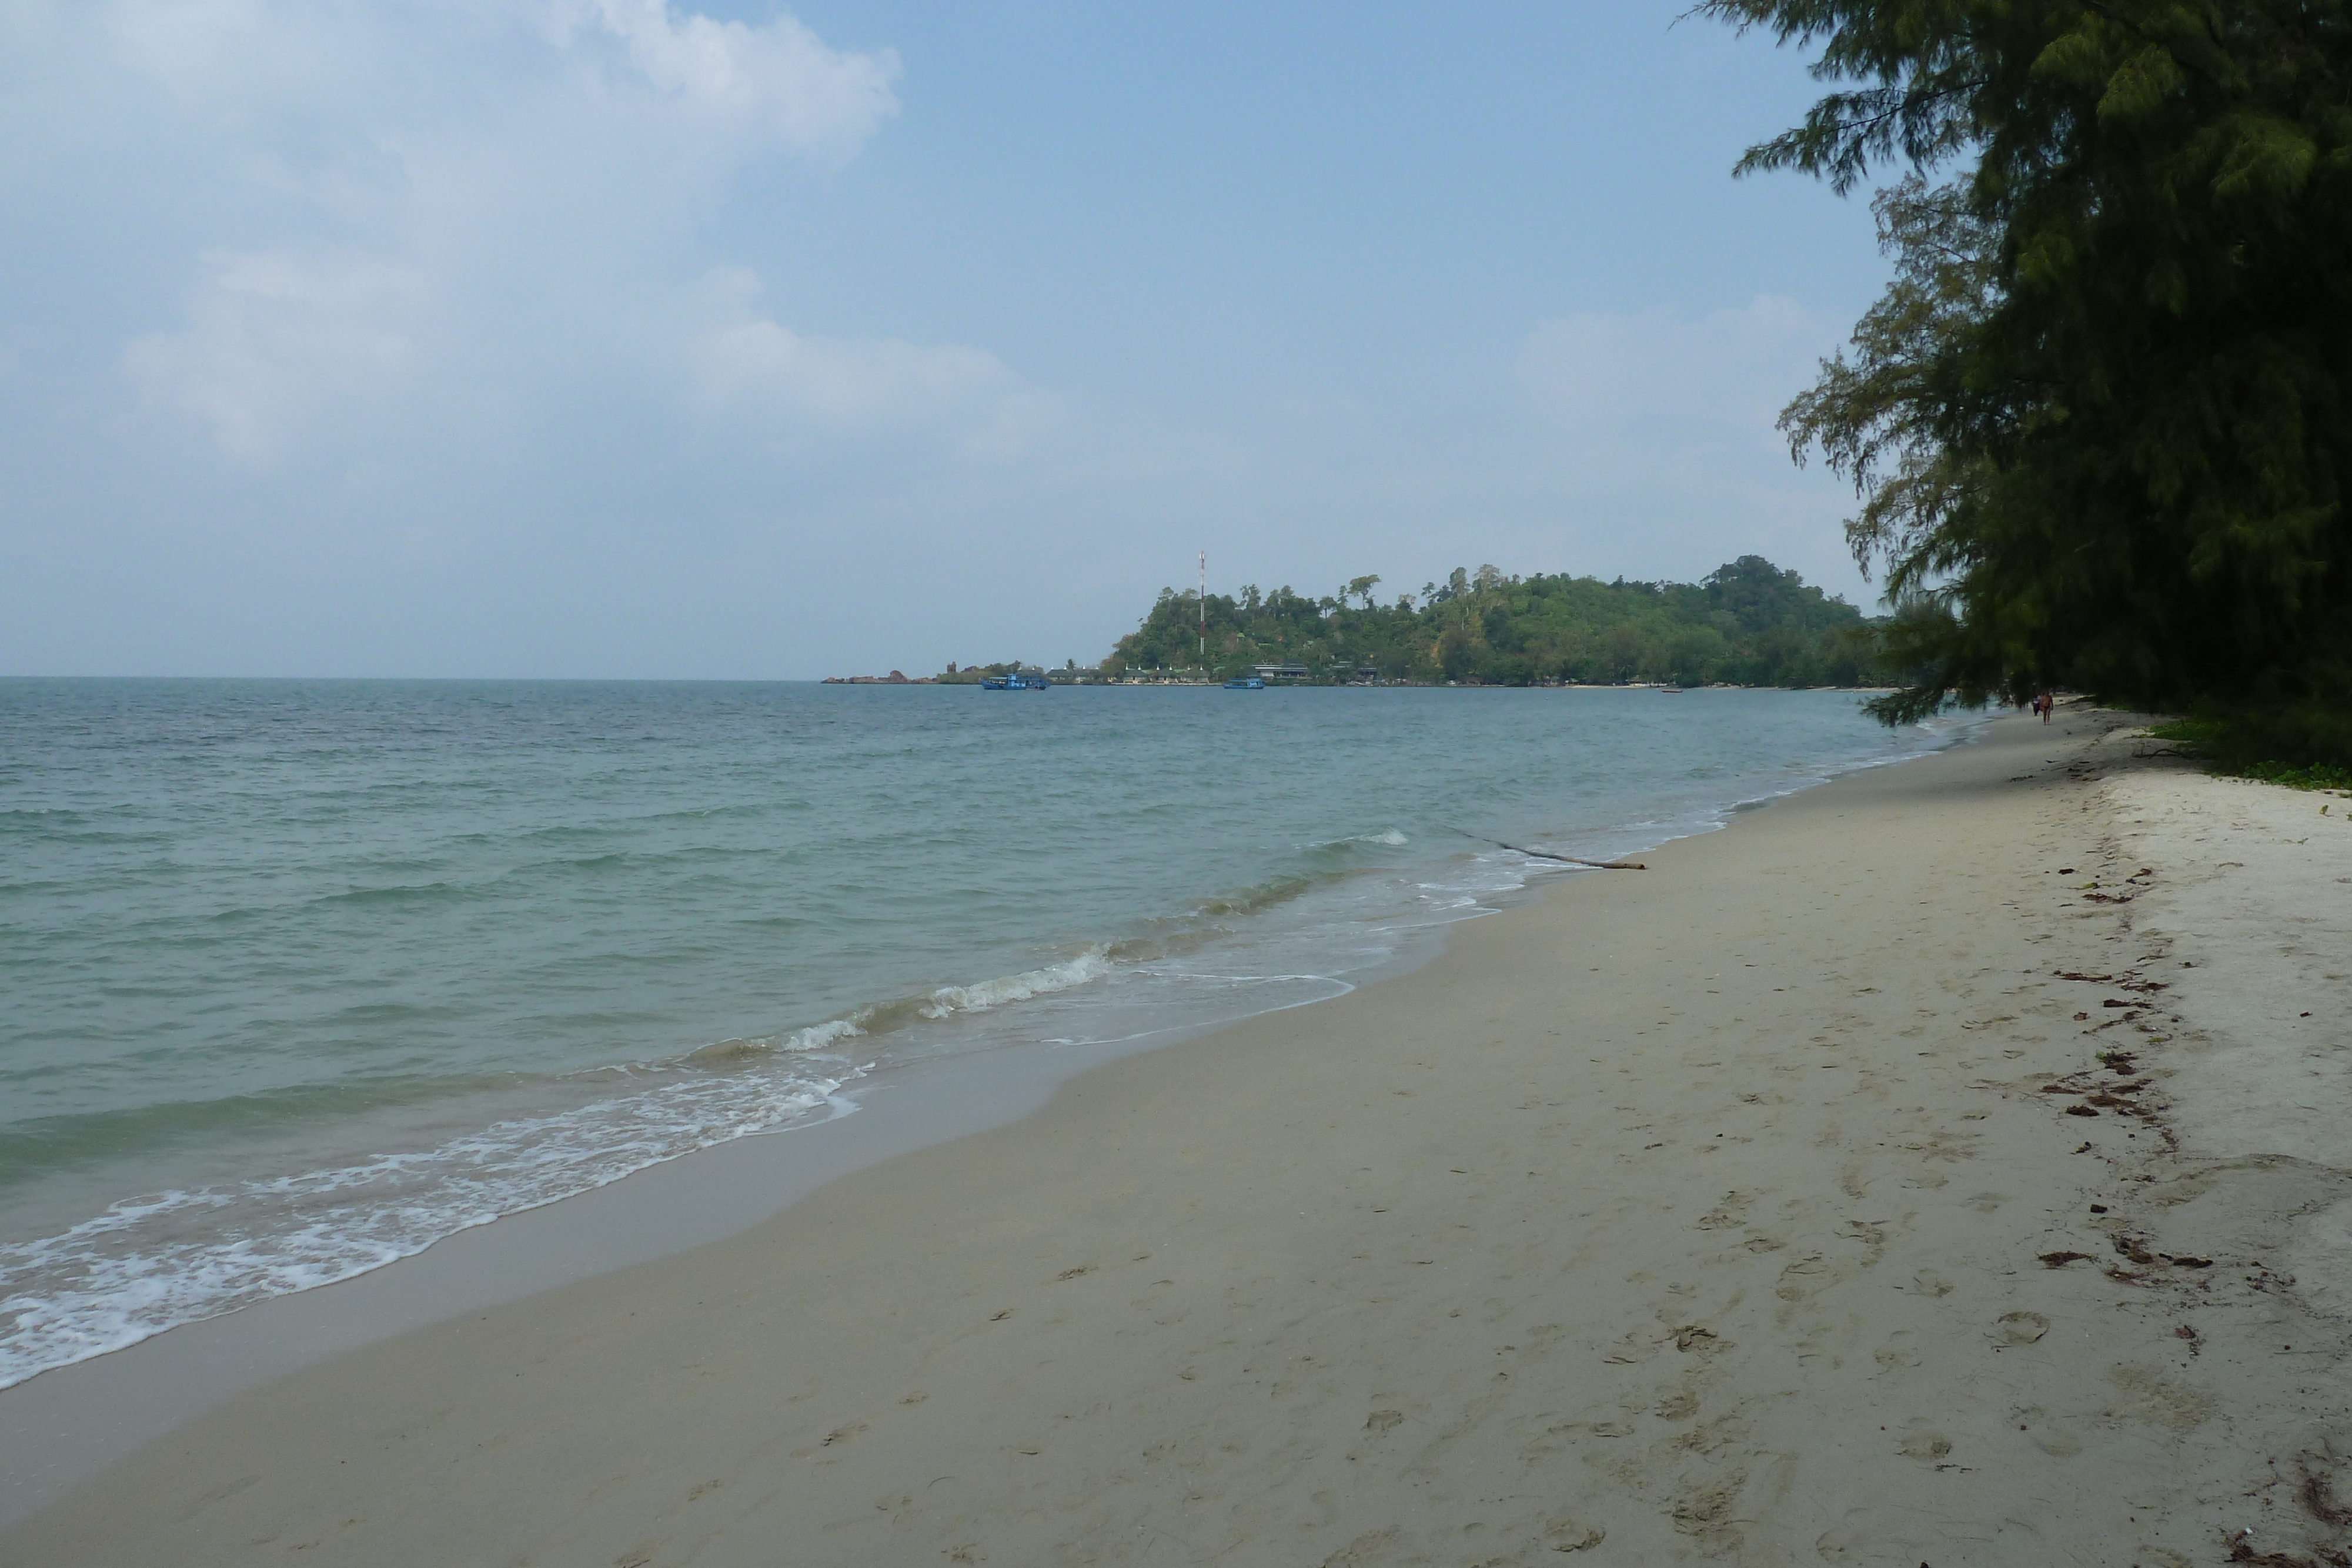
2046	702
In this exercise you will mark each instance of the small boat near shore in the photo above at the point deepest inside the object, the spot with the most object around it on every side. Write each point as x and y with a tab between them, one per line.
1015	684
1246	684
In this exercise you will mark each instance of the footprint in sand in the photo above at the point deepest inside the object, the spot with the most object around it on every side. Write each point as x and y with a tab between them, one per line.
2158	1397
1729	1215
1568	1533
1899	1351
1802	1277
2052	1437
1848	1542
1921	1441
2012	1329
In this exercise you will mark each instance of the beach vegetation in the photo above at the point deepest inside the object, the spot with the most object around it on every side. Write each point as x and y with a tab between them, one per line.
2231	749
2099	424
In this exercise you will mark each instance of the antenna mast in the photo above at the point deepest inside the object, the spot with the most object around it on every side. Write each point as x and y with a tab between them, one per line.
1204	609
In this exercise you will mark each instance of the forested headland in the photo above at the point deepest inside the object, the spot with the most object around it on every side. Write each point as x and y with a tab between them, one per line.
1747	624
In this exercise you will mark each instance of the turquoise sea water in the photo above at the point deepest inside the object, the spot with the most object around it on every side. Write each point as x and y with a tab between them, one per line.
302	975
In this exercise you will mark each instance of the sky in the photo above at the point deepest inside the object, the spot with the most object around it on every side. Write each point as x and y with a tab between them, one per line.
650	338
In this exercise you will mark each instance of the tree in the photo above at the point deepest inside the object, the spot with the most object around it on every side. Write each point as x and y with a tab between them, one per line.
1460	651
2099	422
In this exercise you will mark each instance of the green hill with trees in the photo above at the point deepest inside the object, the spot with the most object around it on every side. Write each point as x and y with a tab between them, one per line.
1749	623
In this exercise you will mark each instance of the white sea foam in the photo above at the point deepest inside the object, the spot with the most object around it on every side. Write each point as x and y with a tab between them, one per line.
981	997
123	1275
820	1036
120	1277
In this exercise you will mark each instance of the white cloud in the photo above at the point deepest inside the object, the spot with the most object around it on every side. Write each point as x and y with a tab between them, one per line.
225	50
777	78
276	338
380	66
747	362
500	202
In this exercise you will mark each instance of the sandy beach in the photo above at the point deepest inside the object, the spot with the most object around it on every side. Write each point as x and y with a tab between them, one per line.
1951	1164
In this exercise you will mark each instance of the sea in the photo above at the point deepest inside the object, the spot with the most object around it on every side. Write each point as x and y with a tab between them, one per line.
298	977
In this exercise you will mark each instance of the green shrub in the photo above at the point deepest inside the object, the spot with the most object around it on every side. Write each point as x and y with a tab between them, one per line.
2305	749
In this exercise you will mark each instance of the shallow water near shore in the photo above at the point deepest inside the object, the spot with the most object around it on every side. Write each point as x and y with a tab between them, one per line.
306	976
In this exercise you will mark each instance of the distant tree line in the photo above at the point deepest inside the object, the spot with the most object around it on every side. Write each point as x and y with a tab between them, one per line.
1747	624
972	675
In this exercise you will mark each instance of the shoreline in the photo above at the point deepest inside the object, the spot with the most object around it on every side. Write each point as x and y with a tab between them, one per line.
68	1420
1205	1330
94	1268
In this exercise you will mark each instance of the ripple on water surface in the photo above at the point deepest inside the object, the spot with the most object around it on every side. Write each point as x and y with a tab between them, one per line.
306	976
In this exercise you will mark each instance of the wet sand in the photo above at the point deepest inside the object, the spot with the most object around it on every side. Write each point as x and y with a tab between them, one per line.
1868	1183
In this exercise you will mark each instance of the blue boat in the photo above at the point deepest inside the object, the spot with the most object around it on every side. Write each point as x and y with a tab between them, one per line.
1246	684
1014	684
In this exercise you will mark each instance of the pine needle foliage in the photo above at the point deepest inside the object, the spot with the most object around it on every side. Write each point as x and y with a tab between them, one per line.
2099	422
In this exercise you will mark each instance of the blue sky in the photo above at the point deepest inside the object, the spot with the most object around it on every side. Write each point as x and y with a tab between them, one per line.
618	337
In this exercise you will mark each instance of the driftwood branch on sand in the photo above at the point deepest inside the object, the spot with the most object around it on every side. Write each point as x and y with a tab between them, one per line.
1548	855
